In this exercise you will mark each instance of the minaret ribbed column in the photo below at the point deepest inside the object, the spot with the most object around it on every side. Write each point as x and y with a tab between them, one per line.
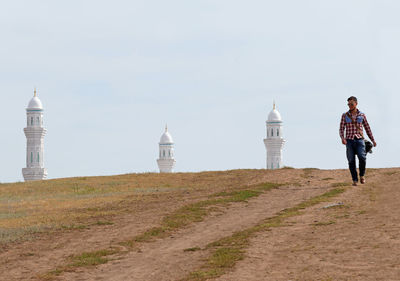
166	160
34	133
274	141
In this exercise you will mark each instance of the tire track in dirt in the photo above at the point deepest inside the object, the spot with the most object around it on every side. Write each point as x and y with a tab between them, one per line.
24	261
165	259
27	259
359	241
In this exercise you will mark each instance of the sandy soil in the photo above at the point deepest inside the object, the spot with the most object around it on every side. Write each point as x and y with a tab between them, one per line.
27	260
358	241
166	258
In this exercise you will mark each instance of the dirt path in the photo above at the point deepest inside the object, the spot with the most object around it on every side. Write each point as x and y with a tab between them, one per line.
26	260
166	259
354	242
359	241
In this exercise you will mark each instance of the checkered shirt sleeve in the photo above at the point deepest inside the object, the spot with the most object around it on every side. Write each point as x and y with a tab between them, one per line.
367	128
342	126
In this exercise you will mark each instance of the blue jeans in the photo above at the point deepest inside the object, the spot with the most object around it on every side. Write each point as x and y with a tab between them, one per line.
353	148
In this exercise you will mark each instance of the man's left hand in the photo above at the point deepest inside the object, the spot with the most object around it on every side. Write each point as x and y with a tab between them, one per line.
374	143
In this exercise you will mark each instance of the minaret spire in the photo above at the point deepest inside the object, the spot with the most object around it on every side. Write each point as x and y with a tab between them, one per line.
34	92
274	105
166	127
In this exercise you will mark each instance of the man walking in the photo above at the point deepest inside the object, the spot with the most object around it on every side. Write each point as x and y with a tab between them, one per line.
353	121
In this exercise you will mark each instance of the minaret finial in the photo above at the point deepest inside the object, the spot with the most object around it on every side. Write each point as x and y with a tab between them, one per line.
274	105
166	127
34	92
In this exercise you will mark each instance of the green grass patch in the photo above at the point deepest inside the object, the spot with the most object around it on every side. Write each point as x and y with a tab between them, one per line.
194	249
318	199
327	179
150	234
92	258
51	275
228	250
225	257
86	259
188	214
240	196
74	226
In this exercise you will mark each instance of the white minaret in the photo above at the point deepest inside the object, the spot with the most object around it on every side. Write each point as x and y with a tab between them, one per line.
34	133
166	160
274	141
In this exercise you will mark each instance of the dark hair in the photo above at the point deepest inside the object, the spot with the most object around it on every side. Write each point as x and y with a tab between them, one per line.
352	98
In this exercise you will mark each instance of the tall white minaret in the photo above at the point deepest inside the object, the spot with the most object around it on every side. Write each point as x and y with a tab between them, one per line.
166	160
34	133
274	141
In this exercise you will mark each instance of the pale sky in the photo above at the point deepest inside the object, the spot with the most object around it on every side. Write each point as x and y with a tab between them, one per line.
111	74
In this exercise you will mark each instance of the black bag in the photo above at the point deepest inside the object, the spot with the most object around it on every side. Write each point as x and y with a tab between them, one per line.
368	146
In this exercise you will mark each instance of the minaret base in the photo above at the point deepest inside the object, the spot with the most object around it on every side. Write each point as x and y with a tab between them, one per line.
166	165
34	174
274	152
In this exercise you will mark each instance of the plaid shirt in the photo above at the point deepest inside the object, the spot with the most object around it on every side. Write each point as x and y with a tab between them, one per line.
351	129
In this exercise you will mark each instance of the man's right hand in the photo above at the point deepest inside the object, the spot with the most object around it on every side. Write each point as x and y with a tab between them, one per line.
344	141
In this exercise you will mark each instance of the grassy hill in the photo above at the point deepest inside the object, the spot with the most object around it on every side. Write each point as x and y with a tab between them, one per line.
200	226
30	207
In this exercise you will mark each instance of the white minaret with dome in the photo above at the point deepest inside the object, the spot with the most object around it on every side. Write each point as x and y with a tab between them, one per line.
166	160
274	141
34	133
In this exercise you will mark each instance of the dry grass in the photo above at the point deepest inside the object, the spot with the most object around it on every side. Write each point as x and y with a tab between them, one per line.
31	207
228	250
180	218
80	203
196	212
307	172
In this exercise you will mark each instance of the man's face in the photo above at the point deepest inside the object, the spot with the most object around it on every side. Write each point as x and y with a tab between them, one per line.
352	104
